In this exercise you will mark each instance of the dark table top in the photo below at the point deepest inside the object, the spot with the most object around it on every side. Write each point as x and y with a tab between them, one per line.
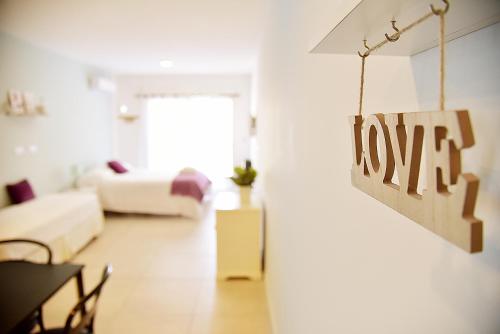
26	286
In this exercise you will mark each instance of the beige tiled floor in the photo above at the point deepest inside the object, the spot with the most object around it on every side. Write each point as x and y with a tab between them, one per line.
163	282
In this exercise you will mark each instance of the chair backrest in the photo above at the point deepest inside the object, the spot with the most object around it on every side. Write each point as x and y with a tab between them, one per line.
87	316
30	241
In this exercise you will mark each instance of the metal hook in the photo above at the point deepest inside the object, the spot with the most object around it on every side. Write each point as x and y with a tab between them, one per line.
441	11
367	52
366	46
395	36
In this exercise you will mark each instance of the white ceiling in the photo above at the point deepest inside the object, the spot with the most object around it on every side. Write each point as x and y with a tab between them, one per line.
132	36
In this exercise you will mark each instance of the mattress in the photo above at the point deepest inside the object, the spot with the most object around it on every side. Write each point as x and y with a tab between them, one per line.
140	191
65	221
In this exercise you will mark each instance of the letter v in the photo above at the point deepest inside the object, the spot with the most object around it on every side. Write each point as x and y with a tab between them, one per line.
407	141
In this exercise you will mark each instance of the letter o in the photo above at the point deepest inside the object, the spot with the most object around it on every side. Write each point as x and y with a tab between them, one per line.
380	164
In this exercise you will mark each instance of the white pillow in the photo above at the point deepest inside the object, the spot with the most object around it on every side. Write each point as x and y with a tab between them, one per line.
188	170
127	165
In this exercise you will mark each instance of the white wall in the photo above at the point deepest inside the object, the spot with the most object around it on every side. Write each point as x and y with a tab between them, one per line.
77	129
472	82
129	139
338	261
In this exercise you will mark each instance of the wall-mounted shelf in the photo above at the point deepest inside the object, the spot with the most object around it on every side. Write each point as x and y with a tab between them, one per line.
370	19
128	117
36	111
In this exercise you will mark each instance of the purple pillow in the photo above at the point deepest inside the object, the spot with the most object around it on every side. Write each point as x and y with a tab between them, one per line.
20	192
117	167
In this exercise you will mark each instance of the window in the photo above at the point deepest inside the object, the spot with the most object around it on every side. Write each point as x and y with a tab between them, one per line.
190	132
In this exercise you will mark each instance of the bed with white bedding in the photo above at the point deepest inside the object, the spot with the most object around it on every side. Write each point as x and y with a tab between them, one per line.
140	191
65	221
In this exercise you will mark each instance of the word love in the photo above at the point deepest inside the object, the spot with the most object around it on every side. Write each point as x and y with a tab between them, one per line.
391	143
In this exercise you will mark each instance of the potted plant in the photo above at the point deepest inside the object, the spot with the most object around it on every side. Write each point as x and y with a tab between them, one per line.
244	178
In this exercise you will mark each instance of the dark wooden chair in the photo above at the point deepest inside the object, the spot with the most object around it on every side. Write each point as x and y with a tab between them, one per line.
37	317
29	241
85	325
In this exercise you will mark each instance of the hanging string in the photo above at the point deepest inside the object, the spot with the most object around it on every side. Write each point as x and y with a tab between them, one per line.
362	80
441	13
395	37
401	31
441	60
369	50
362	85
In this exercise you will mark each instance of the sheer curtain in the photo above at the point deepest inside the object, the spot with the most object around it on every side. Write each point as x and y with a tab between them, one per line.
193	132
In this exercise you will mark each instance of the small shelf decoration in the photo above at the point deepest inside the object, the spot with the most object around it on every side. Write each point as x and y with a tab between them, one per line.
23	104
387	144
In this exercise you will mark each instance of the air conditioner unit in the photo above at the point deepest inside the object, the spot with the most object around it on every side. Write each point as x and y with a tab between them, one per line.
102	84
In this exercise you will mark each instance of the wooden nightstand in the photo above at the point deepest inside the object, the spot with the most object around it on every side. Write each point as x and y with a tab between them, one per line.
239	237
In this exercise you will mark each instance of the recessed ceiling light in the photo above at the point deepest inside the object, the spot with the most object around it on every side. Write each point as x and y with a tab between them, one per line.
166	63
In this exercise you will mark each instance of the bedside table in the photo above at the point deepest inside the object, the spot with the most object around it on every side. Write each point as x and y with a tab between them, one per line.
239	237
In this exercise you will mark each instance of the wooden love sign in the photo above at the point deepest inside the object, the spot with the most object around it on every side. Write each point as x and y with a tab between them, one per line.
395	142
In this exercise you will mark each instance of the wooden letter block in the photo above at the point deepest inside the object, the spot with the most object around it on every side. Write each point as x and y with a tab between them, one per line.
390	143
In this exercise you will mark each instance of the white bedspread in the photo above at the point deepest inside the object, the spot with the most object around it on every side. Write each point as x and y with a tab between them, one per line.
140	192
65	221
